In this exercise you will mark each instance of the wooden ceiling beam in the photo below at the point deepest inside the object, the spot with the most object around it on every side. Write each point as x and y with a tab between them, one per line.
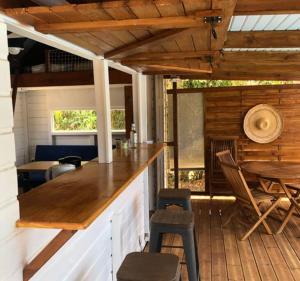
248	66
223	75
171	55
170	62
217	40
50	2
149	40
233	75
175	22
171	68
263	39
267	7
261	57
49	79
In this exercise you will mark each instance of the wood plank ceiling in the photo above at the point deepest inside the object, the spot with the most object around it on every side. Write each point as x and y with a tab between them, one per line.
171	36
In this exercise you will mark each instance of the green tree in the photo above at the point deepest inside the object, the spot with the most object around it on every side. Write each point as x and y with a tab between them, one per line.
75	120
118	119
222	83
85	120
228	83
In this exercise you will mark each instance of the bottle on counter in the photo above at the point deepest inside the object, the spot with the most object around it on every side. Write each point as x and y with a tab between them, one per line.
133	136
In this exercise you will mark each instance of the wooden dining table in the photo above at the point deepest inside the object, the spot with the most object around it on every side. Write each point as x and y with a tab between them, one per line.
282	173
36	166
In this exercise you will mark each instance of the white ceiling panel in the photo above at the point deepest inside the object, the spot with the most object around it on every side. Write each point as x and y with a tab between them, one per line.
261	49
249	23
265	22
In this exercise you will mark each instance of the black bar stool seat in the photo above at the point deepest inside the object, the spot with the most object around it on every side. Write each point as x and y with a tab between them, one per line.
179	222
149	267
171	196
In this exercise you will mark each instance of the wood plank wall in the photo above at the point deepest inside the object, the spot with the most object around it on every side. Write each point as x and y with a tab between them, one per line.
225	109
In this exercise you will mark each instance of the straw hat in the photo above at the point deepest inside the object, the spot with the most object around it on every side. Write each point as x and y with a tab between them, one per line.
263	123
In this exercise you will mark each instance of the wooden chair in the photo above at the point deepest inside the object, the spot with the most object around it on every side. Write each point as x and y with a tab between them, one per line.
245	197
58	170
216	181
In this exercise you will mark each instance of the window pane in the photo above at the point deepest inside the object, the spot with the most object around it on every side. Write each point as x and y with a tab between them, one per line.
118	120
85	120
75	120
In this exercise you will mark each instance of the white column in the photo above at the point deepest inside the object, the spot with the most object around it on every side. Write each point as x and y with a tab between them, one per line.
101	81
159	97
139	86
9	207
160	121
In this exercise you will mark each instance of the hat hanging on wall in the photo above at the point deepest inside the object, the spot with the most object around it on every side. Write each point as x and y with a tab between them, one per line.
263	123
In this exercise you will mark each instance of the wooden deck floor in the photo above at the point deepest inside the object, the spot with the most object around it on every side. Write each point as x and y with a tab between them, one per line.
224	257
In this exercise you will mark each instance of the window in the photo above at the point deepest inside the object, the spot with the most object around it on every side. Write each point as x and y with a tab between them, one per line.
85	120
74	120
118	120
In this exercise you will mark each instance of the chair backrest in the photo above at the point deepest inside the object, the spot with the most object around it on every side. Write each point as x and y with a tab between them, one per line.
235	177
58	170
217	182
74	160
54	152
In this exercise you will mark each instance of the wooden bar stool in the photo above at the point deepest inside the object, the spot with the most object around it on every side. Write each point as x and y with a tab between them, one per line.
179	197
149	267
179	222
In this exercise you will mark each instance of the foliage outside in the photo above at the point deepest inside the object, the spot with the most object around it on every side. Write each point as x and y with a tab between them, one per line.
118	120
85	120
191	179
222	83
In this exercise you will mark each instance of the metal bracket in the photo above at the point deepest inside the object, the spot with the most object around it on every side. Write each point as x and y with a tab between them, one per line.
213	21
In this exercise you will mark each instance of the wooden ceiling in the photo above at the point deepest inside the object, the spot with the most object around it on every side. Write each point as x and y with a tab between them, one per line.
170	36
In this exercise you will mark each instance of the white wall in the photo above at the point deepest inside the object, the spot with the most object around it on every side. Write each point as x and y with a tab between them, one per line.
37	105
20	129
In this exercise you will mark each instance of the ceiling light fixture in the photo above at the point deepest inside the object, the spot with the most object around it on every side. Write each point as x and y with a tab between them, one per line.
15	50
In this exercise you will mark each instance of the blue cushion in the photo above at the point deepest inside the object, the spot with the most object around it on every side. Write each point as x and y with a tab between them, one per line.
54	152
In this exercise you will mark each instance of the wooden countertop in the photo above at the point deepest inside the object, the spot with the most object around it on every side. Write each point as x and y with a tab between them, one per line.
74	200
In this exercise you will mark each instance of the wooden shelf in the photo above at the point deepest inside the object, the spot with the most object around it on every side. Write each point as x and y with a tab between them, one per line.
74	200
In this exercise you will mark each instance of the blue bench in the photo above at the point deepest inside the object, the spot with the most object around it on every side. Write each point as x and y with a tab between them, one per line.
54	152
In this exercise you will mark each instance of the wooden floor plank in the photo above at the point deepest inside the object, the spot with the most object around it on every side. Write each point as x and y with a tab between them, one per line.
289	255
262	259
219	269
292	233
204	238
223	257
233	261
249	266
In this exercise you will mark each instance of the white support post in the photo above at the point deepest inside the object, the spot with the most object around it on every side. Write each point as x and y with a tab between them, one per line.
160	121
159	97
139	83
101	81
